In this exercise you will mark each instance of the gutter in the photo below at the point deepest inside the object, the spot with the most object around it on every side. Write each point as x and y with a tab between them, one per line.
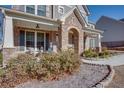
95	30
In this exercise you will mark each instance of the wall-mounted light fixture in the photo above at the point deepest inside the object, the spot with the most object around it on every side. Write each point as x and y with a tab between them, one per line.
37	26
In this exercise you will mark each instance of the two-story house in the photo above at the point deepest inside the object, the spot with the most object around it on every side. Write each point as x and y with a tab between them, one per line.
48	26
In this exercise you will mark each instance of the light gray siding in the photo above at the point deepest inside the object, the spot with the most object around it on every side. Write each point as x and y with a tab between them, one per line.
56	14
113	29
22	8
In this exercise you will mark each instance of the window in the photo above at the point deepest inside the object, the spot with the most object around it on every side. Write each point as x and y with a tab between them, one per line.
6	6
29	40
30	9
22	40
40	40
61	9
41	10
92	43
18	7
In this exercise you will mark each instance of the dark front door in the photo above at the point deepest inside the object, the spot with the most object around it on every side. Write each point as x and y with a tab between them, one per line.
22	40
47	41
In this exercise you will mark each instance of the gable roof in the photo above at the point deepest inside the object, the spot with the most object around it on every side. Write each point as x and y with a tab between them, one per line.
86	9
77	13
109	18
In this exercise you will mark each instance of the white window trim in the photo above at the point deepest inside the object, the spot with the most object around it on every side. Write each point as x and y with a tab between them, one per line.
36	7
59	10
35	39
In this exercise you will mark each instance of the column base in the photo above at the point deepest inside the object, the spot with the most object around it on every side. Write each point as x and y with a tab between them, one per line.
7	54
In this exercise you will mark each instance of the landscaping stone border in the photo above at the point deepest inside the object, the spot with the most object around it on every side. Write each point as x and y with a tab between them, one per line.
105	80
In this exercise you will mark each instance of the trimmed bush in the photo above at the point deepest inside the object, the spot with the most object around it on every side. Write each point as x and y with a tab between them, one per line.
22	64
90	53
94	54
54	64
105	53
69	61
1	58
49	67
2	72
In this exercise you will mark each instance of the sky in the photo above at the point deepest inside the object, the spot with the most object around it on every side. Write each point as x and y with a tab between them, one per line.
113	11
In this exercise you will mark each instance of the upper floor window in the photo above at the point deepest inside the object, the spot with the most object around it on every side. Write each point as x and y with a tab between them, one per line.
61	9
18	7
41	10
6	6
30	9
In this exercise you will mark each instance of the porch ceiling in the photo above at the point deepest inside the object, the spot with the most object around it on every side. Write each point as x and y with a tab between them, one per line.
32	25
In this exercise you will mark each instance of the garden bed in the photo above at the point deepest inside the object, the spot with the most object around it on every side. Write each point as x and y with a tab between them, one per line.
44	67
87	76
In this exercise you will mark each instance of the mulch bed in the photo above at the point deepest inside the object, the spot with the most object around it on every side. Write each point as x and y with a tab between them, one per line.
10	83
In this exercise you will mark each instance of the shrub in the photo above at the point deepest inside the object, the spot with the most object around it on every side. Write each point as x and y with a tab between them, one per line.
1	58
90	53
22	64
49	67
2	72
105	53
54	64
69	61
94	54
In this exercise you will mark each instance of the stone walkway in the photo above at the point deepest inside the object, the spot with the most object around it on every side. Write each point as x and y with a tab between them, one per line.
118	80
113	61
86	77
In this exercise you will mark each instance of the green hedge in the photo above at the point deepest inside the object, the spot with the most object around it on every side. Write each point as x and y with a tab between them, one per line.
94	54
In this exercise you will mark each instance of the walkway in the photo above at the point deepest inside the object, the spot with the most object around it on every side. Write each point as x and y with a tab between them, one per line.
118	80
87	76
113	61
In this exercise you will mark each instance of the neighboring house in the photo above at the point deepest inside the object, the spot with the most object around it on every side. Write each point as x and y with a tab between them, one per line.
50	27
113	35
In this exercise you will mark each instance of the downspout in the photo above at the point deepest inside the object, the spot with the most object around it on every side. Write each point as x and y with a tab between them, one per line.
52	11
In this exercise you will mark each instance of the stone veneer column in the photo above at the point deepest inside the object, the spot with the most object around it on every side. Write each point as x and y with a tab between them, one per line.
64	35
8	46
81	42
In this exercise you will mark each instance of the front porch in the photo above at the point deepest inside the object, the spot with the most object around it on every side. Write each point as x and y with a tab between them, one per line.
24	32
92	39
26	39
